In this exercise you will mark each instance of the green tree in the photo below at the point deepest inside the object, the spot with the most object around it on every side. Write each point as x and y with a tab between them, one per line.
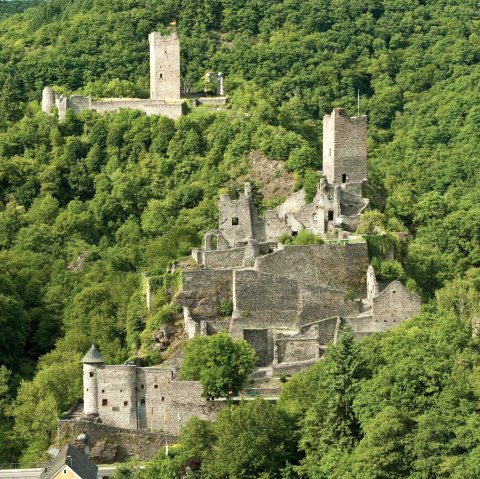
383	452
253	438
220	363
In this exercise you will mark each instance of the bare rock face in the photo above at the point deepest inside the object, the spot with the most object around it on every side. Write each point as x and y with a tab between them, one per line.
104	452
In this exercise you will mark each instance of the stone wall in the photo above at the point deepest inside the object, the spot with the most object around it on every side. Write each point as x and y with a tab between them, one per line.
149	398
116	395
339	267
171	109
142	445
230	258
395	304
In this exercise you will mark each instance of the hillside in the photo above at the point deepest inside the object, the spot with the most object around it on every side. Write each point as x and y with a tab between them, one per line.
89	203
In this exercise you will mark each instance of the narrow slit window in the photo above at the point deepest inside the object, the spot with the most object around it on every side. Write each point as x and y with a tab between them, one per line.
161	76
330	215
344	178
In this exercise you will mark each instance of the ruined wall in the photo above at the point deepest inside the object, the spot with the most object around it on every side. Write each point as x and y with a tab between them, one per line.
208	328
344	147
395	304
263	301
319	303
339	267
172	110
164	66
142	445
235	219
230	258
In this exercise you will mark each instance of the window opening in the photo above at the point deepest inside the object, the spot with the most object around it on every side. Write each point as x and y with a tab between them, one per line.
156	386
330	215
235	221
142	401
92	374
125	403
104	402
161	76
344	178
294	233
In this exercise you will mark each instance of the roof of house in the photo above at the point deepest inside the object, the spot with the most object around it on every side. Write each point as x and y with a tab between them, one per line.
70	456
93	356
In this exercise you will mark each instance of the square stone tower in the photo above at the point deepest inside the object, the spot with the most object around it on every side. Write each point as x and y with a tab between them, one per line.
344	147
164	66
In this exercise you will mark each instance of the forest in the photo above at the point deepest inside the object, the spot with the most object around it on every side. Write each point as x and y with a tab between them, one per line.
89	203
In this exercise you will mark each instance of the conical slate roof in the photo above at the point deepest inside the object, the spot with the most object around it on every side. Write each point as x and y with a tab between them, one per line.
93	356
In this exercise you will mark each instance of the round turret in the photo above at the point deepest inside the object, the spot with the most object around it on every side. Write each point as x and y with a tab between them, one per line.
92	361
48	99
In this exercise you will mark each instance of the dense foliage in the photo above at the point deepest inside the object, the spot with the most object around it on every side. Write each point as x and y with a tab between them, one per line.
219	362
88	203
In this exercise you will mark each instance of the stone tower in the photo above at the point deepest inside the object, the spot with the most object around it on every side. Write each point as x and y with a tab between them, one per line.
344	147
164	66
48	99
92	361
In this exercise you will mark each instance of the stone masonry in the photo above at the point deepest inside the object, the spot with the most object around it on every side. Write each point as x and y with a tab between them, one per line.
164	86
131	397
290	301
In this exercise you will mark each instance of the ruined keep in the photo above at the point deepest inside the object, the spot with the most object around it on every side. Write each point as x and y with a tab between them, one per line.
164	86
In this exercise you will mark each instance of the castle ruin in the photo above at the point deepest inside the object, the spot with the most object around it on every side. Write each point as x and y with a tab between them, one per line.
165	96
288	302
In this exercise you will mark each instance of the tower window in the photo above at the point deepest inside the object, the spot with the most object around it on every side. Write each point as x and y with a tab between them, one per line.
104	402
155	386
142	386
92	374
65	471
142	401
329	152
125	403
103	390
235	221
330	215
344	178
163	398
161	76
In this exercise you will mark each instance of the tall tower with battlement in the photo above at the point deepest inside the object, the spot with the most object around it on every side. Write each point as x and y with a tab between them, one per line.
164	66
344	147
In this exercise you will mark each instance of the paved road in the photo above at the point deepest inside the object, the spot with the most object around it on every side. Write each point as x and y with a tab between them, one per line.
103	471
